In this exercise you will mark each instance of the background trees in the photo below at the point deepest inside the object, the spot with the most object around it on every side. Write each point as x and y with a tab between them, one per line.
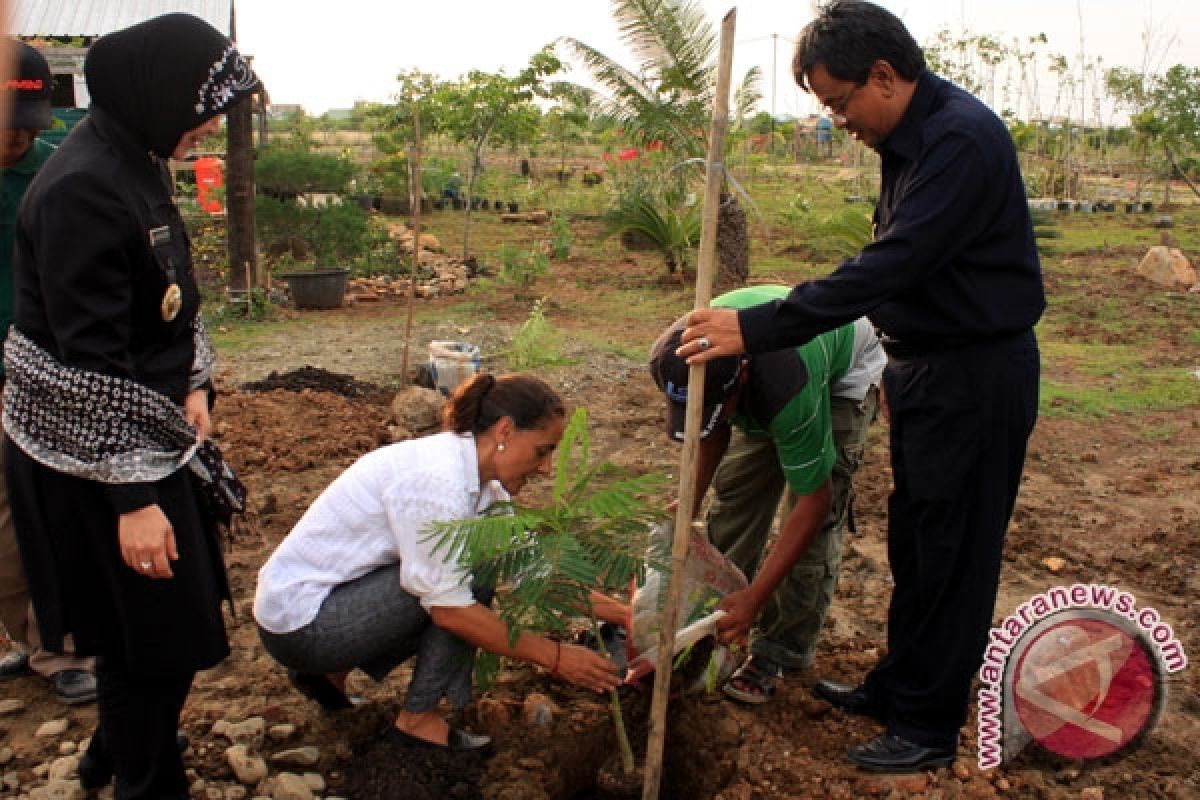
666	102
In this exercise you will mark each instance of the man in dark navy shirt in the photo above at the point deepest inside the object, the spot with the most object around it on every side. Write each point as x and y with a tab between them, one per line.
952	281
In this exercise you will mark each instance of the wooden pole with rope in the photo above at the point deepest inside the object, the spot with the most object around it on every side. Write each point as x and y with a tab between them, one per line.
705	271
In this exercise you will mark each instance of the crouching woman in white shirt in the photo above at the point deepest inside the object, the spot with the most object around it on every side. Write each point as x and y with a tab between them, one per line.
356	584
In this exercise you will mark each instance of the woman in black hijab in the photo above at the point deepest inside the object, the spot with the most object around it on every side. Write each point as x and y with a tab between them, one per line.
108	392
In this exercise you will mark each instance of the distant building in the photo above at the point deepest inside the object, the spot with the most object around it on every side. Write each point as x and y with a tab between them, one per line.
284	110
63	30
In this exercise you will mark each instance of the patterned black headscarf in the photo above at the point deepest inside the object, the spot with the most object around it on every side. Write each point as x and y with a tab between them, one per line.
166	76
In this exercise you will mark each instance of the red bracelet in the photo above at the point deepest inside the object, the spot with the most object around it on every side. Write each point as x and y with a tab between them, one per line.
557	658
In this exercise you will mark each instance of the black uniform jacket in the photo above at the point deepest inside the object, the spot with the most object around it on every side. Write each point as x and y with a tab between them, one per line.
99	241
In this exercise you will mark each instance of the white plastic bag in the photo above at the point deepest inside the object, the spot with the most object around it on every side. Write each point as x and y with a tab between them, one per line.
452	363
708	576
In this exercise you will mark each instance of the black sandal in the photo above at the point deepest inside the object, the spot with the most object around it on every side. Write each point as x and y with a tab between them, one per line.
457	741
759	673
320	690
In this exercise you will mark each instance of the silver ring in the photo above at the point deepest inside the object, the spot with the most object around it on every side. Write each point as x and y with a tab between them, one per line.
147	566
703	343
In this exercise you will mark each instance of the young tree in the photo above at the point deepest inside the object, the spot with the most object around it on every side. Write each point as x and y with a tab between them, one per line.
1164	113
481	105
596	533
567	120
394	125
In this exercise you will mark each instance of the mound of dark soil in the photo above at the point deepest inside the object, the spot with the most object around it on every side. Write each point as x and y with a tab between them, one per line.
321	380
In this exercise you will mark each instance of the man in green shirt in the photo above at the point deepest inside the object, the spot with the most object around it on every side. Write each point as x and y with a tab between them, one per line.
795	419
22	154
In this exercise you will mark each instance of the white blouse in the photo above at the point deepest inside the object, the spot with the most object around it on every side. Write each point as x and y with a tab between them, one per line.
374	514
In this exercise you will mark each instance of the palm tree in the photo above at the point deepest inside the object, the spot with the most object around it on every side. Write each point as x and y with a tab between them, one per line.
668	97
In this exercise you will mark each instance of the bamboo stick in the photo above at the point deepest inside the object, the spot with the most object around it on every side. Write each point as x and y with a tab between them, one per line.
705	270
414	184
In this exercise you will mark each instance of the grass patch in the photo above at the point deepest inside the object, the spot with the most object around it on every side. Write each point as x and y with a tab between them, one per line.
232	335
1160	434
638	351
1112	380
474	308
1099	233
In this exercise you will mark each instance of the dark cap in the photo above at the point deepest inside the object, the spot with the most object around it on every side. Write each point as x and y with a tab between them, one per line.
27	92
671	374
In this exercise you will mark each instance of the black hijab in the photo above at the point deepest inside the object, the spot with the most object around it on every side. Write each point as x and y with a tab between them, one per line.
163	77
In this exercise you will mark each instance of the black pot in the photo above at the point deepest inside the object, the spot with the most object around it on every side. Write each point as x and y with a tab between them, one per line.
458	204
395	205
318	288
512	207
438	203
498	205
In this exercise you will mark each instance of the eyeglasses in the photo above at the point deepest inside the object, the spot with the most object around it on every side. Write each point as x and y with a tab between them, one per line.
838	105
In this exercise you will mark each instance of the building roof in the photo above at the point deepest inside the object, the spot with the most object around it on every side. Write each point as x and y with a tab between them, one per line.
89	18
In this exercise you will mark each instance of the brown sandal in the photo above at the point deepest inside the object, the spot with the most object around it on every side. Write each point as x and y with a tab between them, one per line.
760	675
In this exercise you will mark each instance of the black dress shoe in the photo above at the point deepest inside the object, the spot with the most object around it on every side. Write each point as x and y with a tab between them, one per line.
851	699
894	754
13	663
457	741
95	770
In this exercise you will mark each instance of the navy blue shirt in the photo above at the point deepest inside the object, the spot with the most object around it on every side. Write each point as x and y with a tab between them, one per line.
954	255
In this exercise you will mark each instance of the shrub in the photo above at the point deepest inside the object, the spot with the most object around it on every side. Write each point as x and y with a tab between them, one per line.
521	268
560	230
674	229
333	233
535	344
285	172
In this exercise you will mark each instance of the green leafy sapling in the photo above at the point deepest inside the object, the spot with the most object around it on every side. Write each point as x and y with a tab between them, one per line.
595	534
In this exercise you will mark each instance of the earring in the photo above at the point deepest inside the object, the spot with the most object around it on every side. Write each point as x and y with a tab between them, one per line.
500	447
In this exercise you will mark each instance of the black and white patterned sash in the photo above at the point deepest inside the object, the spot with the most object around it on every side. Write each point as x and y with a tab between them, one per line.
94	426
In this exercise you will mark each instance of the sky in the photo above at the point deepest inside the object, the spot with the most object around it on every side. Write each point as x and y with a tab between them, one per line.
324	55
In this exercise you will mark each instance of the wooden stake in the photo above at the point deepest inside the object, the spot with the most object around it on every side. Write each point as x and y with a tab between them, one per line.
705	270
414	184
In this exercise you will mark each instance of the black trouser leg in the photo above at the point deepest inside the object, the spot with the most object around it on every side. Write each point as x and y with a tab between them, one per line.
960	423
139	717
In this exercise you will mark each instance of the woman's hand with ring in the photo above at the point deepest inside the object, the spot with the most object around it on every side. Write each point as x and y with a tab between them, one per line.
147	542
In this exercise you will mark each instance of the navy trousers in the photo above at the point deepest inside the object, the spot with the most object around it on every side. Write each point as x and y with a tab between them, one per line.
960	423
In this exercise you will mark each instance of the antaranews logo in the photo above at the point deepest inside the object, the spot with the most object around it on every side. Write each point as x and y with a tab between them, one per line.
1081	670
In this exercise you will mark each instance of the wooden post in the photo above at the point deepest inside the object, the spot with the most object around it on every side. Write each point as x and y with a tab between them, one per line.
414	193
705	270
239	191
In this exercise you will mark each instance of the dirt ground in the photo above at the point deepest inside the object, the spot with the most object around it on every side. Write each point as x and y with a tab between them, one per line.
1113	505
